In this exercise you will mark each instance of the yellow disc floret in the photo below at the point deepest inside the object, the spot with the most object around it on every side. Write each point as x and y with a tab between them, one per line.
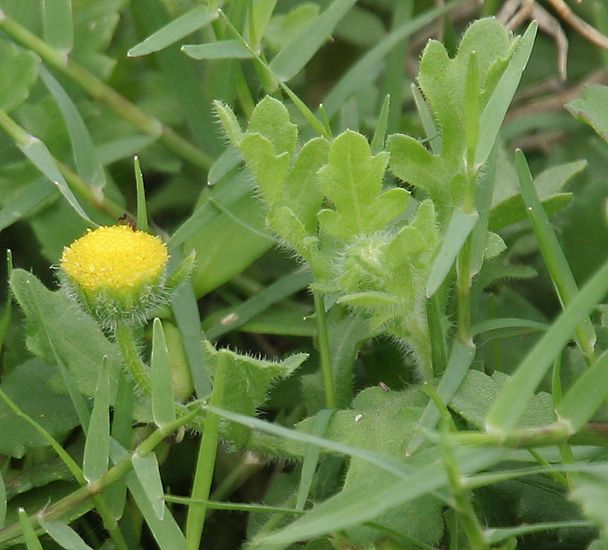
116	258
117	273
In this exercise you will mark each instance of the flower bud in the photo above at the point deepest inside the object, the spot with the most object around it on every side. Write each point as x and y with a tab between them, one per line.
117	273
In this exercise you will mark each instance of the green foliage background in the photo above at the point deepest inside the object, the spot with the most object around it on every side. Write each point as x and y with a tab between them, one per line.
382	342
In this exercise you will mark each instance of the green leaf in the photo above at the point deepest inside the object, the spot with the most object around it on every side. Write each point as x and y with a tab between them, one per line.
250	380
478	392
37	389
377	143
26	201
285	28
2	502
63	535
554	257
591	108
270	119
148	475
585	397
513	398
456	234
224	49
58	24
38	154
234	317
590	491
386	492
179	28
97	444
292	59
77	340
163	401
29	534
498	103
352	179
458	365
19	73
85	153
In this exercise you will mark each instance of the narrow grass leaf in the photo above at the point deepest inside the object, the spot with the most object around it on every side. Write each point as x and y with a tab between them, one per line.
38	154
292	59
311	458
166	532
146	470
497	535
63	535
388	464
224	49
224	164
29	534
185	309
179	28
459	228
515	395
496	108
88	165
58	24
424	113
586	396
458	365
3	506
483	203
377	143
163	404
279	290
367	501
97	444
554	257
142	210
508	326
236	506
122	428
358	74
7	313
80	405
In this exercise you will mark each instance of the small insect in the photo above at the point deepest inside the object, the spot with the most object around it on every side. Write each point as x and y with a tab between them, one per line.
127	219
358	418
384	387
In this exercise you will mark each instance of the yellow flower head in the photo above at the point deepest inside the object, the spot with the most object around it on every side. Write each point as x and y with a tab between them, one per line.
117	272
115	258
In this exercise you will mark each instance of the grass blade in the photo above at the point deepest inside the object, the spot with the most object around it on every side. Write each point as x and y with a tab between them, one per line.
459	362
554	257
456	234
58	24
177	29
38	154
25	201
97	445
235	317
311	458
430	129
148	475
292	59
514	397
377	143
585	397
63	535
163	404
142	211
496	107
224	49
29	535
88	165
366	502
359	73
2	501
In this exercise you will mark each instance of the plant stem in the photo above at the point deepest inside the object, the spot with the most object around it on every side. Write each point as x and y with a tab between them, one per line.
100	91
205	464
132	359
324	352
439	356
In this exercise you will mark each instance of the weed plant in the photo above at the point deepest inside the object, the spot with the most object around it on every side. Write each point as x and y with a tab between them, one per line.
302	275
